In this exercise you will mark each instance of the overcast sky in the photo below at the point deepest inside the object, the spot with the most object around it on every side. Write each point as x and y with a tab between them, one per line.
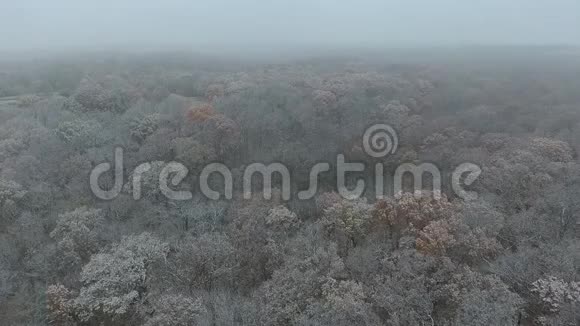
102	24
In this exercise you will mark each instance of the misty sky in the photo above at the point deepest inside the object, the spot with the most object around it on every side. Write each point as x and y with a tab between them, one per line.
65	24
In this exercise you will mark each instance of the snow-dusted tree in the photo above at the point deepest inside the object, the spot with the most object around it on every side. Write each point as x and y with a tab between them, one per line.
214	91
141	128
192	153
327	200
438	237
10	194
91	95
409	214
156	147
521	268
294	287
206	262
10	191
82	134
223	133
261	229
12	146
347	221
224	307
495	141
59	305
488	301
201	113
325	101
551	149
79	234
72	105
400	117
115	280
145	183
176	310
281	220
400	286
112	94
343	303
74	173
7	280
555	294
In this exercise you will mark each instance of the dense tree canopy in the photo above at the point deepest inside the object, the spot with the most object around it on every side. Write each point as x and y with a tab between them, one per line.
509	257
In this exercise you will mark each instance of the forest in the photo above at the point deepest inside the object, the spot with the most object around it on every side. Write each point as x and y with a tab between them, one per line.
508	256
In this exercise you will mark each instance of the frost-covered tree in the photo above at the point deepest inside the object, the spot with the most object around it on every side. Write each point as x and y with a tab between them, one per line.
112	94
78	234
409	214
176	310
143	127
341	303
114	281
294	287
192	153
489	303
346	221
206	262
11	193
551	149
555	294
82	134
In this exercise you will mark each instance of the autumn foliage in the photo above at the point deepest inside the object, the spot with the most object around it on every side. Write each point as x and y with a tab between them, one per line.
201	113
